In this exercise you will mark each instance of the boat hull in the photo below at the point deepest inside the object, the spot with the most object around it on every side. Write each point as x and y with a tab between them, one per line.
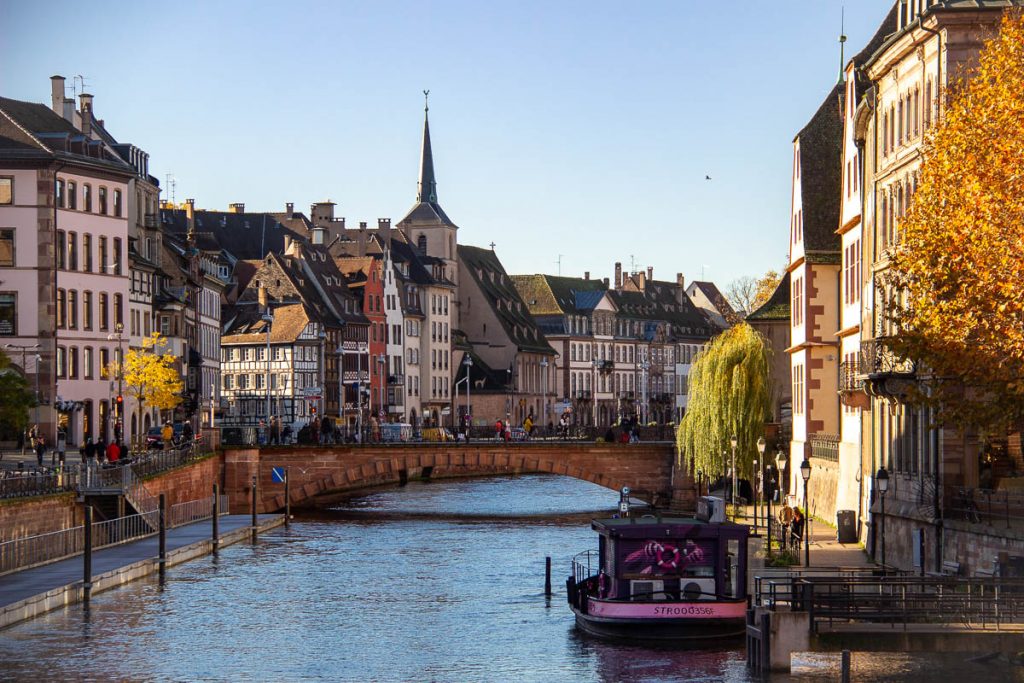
710	623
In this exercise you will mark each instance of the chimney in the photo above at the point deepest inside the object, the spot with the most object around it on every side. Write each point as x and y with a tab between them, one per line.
57	94
289	209
586	275
361	239
85	106
641	281
237	207
287	243
618	275
650	273
384	232
261	293
680	288
605	281
680	281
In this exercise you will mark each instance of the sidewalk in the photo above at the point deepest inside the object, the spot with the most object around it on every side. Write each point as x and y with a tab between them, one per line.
826	551
30	592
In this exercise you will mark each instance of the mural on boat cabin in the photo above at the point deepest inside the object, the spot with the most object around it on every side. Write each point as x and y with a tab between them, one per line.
665	557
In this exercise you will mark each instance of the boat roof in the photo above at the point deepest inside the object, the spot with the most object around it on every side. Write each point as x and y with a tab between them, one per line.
667	526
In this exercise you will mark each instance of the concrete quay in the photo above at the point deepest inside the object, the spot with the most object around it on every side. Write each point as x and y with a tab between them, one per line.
32	592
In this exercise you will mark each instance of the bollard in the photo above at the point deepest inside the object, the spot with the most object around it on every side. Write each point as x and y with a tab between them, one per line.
254	509
216	515
87	564
846	666
163	534
287	501
547	576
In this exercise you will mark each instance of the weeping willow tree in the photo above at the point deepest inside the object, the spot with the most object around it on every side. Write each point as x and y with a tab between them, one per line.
730	393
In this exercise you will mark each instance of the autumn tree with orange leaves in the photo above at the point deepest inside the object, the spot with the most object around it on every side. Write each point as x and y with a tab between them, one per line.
959	264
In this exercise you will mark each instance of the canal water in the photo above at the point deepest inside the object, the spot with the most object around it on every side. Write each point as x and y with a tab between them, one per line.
437	581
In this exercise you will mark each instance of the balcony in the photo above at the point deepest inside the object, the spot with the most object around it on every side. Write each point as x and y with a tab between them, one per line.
885	375
852	392
825	446
396	380
151	221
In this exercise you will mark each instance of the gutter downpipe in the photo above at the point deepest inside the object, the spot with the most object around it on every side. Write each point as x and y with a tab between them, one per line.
62	165
939	519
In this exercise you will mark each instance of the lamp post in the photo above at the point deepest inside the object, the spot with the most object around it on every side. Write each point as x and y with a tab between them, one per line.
381	373
268	318
322	338
733	440
780	460
340	352
24	368
359	392
593	395
644	407
467	362
882	480
769	470
805	473
118	336
758	479
544	388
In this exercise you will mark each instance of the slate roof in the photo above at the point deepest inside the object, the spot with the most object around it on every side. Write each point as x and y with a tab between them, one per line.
248	327
244	236
715	296
427	209
821	175
29	130
885	29
557	295
503	298
493	381
777	306
657	303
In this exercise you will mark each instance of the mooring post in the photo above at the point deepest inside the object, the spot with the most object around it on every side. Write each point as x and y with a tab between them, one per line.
163	534
547	576
87	562
846	666
254	509
216	515
287	501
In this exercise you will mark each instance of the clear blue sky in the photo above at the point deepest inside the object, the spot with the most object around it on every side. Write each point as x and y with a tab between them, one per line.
577	128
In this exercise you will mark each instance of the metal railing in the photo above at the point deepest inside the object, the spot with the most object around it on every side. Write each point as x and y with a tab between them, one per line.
40	549
30	551
1003	509
876	357
974	602
825	446
40	482
849	377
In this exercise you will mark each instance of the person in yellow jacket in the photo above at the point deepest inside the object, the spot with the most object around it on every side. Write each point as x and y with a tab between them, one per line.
528	424
167	435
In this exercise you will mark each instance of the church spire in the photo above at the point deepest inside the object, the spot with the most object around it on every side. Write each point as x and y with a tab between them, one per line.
427	185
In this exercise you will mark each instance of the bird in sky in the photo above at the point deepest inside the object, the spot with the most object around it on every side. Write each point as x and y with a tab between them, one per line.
707	177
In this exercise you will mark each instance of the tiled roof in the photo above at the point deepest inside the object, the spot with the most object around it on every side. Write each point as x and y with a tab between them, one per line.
503	298
821	174
716	297
248	327
777	306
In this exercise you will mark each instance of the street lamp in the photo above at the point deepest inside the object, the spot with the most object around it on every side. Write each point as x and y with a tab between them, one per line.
645	408
268	319
118	336
381	379
467	362
758	479
805	472
882	480
544	388
593	395
322	338
24	369
733	440
340	352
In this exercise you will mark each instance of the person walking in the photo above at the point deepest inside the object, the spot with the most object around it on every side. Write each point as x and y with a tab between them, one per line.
275	430
113	452
167	436
40	449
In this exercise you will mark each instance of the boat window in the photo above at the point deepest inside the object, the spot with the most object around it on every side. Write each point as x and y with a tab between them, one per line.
732	570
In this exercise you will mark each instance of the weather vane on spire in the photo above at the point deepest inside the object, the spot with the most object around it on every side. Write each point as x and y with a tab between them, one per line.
426	100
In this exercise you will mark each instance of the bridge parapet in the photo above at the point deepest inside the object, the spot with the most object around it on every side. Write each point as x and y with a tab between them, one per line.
316	472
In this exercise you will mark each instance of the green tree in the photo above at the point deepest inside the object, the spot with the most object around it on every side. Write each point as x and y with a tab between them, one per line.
150	376
959	261
729	393
16	400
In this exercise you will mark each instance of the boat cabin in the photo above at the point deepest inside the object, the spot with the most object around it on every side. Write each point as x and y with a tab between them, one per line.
671	558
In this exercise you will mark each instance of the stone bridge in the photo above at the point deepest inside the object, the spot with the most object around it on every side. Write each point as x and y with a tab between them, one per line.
318	474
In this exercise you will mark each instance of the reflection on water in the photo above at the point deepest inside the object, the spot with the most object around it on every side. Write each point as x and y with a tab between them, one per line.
406	596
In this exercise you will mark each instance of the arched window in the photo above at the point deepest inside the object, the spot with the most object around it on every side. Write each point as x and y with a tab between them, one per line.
421	243
883	216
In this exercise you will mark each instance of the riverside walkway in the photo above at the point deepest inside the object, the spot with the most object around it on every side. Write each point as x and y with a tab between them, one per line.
30	592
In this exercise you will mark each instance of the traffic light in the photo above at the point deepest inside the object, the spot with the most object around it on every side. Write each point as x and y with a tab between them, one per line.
312	410
120	400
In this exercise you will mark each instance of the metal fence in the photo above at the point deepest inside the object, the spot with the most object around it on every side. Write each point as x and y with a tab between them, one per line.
19	484
825	446
1000	509
21	553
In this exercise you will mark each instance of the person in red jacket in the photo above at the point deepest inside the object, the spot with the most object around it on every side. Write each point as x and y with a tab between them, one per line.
113	452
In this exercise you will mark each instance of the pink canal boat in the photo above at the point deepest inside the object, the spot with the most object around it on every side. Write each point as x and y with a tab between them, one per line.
662	578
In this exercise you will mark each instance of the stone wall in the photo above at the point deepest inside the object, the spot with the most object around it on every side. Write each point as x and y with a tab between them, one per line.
20	517
644	467
189	482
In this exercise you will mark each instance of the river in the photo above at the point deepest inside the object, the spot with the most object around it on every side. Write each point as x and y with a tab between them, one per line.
438	581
